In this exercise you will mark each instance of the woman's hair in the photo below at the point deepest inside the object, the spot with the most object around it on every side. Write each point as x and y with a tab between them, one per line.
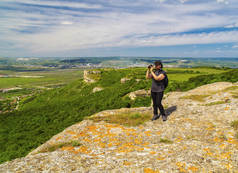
158	63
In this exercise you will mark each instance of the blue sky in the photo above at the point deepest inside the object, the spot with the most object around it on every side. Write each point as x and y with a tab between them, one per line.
178	28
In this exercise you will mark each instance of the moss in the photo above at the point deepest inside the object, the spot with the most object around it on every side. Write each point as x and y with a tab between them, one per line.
199	98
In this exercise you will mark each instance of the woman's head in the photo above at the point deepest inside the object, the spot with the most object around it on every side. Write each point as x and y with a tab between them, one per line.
158	64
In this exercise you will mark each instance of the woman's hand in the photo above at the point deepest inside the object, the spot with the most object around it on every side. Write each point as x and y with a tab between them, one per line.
152	68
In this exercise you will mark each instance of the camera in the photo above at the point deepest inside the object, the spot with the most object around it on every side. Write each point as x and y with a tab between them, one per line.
150	66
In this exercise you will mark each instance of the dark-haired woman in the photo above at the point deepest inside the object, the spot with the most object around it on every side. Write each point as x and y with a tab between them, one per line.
157	88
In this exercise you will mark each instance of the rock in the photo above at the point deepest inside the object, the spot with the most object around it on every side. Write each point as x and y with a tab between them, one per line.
123	80
97	89
140	93
88	75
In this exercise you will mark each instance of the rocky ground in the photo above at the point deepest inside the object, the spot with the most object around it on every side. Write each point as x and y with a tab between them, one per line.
197	137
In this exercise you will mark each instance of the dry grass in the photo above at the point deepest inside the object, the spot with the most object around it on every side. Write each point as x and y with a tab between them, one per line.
199	98
234	124
59	145
216	103
167	141
125	118
231	88
234	95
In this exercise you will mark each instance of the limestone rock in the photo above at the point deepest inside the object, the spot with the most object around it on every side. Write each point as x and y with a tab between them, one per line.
88	75
123	80
97	89
140	93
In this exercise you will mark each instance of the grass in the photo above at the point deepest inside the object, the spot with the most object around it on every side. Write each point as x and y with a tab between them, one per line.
56	146
216	103
127	119
231	88
50	77
234	124
234	95
199	98
167	141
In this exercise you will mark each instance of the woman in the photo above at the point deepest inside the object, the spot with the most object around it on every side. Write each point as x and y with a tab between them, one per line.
157	88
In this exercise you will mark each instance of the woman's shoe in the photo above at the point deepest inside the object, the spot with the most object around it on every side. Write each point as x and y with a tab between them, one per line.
155	117
164	117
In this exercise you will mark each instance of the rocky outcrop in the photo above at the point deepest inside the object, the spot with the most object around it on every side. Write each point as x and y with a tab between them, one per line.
91	76
197	137
139	93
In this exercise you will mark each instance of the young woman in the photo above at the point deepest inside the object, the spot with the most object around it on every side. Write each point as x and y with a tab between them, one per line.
157	88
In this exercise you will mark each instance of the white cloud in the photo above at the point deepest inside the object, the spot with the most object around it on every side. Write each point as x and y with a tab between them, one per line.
235	46
66	23
223	1
59	3
234	25
75	30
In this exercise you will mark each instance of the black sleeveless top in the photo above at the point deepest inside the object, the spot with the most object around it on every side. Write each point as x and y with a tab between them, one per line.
157	86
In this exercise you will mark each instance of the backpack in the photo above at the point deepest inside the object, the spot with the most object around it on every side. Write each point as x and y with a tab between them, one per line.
166	81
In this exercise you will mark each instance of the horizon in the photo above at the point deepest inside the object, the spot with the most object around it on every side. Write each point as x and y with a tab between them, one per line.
122	28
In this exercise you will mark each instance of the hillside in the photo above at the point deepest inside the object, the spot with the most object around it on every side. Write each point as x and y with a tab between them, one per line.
45	114
200	135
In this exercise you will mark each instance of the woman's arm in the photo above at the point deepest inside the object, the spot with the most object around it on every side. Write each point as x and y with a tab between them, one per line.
148	75
160	77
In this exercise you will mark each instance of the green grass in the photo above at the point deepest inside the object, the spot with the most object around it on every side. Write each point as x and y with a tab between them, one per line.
50	77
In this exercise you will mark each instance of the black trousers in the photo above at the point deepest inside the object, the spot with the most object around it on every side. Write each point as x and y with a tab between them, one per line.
157	99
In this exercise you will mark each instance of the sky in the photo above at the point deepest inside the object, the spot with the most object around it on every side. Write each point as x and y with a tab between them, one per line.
169	28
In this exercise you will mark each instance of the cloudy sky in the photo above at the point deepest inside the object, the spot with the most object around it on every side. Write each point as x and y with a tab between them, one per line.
185	28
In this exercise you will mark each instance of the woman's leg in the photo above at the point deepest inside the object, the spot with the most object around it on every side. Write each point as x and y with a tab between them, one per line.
159	102
154	98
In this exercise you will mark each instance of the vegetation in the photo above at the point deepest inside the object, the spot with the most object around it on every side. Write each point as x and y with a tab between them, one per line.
199	98
216	103
234	124
48	112
167	141
51	148
126	119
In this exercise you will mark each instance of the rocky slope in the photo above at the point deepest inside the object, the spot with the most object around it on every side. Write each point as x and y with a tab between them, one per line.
197	137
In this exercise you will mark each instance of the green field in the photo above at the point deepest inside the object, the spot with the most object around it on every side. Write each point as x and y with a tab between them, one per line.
49	77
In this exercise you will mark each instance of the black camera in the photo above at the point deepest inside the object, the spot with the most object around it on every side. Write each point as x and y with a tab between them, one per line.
150	66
